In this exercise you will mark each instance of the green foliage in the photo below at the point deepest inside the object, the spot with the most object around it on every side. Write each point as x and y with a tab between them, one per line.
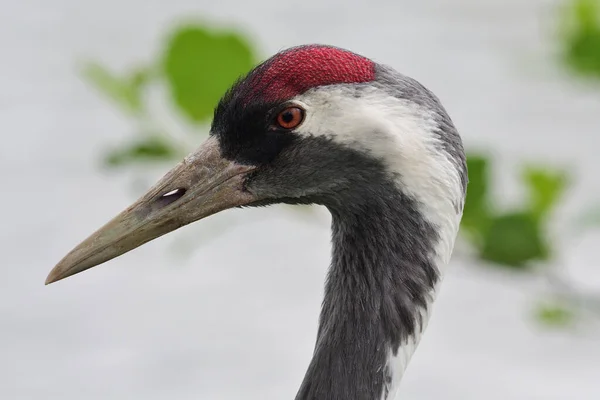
513	238
581	37
198	65
555	314
544	188
201	65
476	213
125	92
151	149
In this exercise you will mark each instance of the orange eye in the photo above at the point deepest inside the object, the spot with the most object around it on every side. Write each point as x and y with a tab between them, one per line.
290	118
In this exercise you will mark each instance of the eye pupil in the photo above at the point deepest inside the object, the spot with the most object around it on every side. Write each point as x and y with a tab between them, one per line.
290	118
287	117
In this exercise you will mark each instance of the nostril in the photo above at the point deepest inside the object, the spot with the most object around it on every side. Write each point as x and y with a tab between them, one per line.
173	192
171	196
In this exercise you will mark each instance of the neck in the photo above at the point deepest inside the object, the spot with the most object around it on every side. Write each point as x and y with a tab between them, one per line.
381	283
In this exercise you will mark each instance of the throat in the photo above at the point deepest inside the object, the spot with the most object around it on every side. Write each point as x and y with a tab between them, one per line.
380	285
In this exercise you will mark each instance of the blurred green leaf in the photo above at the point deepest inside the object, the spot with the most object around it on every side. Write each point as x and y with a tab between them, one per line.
585	14
150	149
584	53
140	77
581	37
545	189
476	213
514	239
123	91
201	65
555	314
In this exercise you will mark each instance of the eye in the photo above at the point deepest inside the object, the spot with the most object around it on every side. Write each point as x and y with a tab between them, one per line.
290	118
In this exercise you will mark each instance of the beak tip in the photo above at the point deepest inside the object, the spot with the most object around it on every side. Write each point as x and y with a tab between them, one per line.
57	273
52	277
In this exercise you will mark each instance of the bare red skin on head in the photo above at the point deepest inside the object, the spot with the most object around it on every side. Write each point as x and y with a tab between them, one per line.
294	71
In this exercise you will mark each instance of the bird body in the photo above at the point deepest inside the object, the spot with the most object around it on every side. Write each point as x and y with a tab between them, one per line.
322	125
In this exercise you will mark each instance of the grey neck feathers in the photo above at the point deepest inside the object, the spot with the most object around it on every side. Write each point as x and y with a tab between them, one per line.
381	275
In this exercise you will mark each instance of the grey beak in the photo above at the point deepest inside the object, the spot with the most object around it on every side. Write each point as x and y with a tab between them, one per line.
203	184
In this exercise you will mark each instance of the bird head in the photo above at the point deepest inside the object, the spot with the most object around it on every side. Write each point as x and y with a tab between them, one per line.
311	125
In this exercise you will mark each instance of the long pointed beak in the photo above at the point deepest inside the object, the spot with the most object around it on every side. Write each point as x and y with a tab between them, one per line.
203	184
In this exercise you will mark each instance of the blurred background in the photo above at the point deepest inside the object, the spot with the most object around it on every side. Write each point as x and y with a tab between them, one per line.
99	98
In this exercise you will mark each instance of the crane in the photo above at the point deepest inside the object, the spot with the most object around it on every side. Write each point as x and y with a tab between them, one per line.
318	124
